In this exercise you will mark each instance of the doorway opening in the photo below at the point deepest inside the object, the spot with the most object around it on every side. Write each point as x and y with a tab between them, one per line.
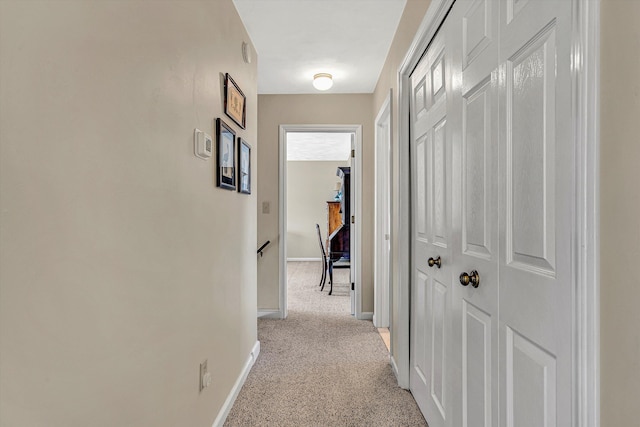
382	238
314	160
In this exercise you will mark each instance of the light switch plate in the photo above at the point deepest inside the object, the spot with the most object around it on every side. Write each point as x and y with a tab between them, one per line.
203	375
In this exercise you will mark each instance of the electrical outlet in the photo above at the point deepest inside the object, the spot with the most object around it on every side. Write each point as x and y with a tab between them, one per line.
266	207
204	374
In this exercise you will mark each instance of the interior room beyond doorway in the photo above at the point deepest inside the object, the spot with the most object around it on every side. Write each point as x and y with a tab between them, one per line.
316	167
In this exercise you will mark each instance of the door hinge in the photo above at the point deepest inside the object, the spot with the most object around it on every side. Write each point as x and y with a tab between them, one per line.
353	219
353	286
353	153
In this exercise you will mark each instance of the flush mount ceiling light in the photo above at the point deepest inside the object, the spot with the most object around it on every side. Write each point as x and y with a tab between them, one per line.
322	81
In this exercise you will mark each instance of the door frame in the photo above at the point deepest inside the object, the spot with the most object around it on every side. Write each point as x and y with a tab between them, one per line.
356	261
585	70
382	286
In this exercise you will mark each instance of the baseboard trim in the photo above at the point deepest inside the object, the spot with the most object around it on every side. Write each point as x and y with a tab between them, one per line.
366	315
269	314
304	259
394	367
228	404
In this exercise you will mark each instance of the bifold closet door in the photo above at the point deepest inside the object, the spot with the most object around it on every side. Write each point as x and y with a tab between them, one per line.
537	170
473	48
431	235
492	198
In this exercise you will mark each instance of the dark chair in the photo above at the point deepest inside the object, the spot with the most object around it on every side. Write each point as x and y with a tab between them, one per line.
338	262
324	259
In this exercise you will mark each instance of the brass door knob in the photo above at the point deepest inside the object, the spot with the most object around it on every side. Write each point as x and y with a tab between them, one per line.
473	278
433	262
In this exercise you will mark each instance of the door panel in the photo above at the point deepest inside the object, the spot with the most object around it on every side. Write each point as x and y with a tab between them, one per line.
476	366
477	167
421	334
531	384
438	354
431	224
477	26
439	186
530	168
492	172
474	124
422	225
537	164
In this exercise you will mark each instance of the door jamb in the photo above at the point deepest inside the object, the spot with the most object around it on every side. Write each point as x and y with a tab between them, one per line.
356	262
585	71
382	297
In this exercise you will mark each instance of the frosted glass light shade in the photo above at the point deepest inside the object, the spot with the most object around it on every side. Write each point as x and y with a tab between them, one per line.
322	81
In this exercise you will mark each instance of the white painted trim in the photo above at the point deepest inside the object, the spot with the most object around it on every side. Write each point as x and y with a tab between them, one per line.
269	314
282	222
357	212
231	398
381	284
394	365
303	259
366	315
356	263
586	115
401	304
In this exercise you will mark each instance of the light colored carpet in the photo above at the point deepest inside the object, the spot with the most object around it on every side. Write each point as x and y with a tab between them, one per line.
320	366
303	292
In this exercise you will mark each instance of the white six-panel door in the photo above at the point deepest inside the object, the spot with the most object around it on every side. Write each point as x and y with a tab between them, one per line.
492	164
431	192
473	48
537	178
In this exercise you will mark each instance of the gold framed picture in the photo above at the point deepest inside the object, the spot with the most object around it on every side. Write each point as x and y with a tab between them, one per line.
234	101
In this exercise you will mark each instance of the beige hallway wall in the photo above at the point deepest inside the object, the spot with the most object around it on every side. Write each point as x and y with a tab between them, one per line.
620	213
122	266
411	18
275	110
309	185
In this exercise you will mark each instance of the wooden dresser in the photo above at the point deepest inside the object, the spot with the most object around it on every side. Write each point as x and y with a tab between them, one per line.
339	216
334	218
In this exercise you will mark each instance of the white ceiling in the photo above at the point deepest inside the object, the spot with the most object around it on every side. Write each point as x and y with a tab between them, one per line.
296	39
318	146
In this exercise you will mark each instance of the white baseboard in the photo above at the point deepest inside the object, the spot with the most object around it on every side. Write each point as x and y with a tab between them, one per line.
304	259
366	315
269	314
394	366
228	404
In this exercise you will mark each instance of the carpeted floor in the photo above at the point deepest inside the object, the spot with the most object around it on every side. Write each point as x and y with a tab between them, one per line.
320	366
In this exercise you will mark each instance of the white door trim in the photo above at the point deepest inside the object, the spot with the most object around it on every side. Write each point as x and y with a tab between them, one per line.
586	119
381	284
586	111
356	264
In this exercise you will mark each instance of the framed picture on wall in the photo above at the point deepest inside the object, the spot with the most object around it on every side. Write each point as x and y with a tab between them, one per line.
244	166
234	101
225	158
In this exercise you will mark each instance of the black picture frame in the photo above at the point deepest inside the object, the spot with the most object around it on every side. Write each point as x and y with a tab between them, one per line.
235	105
225	155
244	166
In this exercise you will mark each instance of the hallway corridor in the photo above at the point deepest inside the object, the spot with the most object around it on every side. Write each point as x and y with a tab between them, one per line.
320	366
